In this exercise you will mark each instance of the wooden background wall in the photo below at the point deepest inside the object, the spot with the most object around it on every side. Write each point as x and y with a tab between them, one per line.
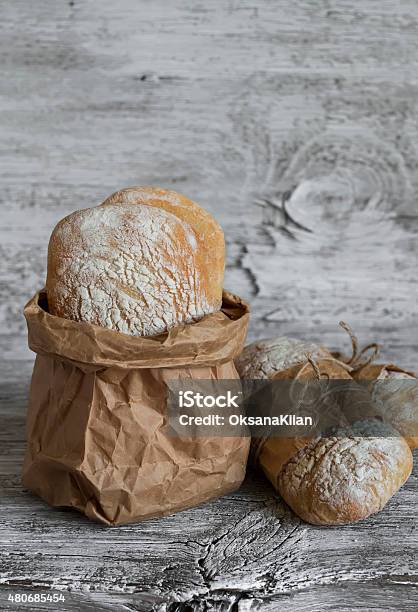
295	123
309	103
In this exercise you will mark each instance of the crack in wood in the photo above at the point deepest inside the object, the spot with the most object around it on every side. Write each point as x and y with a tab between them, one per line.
251	277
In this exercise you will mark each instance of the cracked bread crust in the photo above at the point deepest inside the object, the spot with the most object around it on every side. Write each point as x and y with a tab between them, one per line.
210	252
346	478
264	358
134	269
331	480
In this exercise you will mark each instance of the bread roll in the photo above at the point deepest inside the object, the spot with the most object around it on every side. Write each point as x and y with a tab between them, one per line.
263	358
345	478
133	268
210	252
395	392
393	389
329	480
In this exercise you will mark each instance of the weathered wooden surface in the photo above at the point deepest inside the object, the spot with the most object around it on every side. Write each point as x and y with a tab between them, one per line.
246	548
246	551
279	117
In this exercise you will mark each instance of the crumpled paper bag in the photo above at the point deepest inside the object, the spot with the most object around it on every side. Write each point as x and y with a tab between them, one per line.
96	436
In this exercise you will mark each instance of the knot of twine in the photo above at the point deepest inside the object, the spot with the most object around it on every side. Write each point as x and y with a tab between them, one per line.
355	361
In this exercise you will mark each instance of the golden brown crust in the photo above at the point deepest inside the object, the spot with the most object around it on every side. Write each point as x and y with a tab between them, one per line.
346	478
274	453
270	356
328	480
395	391
210	259
134	268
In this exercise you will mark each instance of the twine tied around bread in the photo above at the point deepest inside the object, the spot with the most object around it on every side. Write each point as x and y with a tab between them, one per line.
258	443
355	361
318	375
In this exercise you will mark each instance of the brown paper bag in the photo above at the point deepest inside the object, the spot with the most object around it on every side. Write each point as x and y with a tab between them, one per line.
96	436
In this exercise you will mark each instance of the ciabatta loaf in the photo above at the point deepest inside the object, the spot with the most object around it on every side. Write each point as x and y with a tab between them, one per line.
346	477
133	268
263	358
342	477
210	251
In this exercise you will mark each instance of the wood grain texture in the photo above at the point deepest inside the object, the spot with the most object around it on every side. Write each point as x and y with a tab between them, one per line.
295	124
246	551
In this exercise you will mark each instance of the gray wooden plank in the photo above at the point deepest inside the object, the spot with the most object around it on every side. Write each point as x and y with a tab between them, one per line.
237	103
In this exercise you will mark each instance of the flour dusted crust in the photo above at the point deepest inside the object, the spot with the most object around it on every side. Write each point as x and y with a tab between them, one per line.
210	251
395	393
332	480
134	269
345	478
263	358
398	397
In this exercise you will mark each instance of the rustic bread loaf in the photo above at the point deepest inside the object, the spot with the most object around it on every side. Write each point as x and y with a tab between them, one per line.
210	251
337	479
395	391
133	268
263	358
346	477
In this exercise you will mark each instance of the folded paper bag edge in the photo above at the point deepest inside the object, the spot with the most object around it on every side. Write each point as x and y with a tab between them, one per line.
216	338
